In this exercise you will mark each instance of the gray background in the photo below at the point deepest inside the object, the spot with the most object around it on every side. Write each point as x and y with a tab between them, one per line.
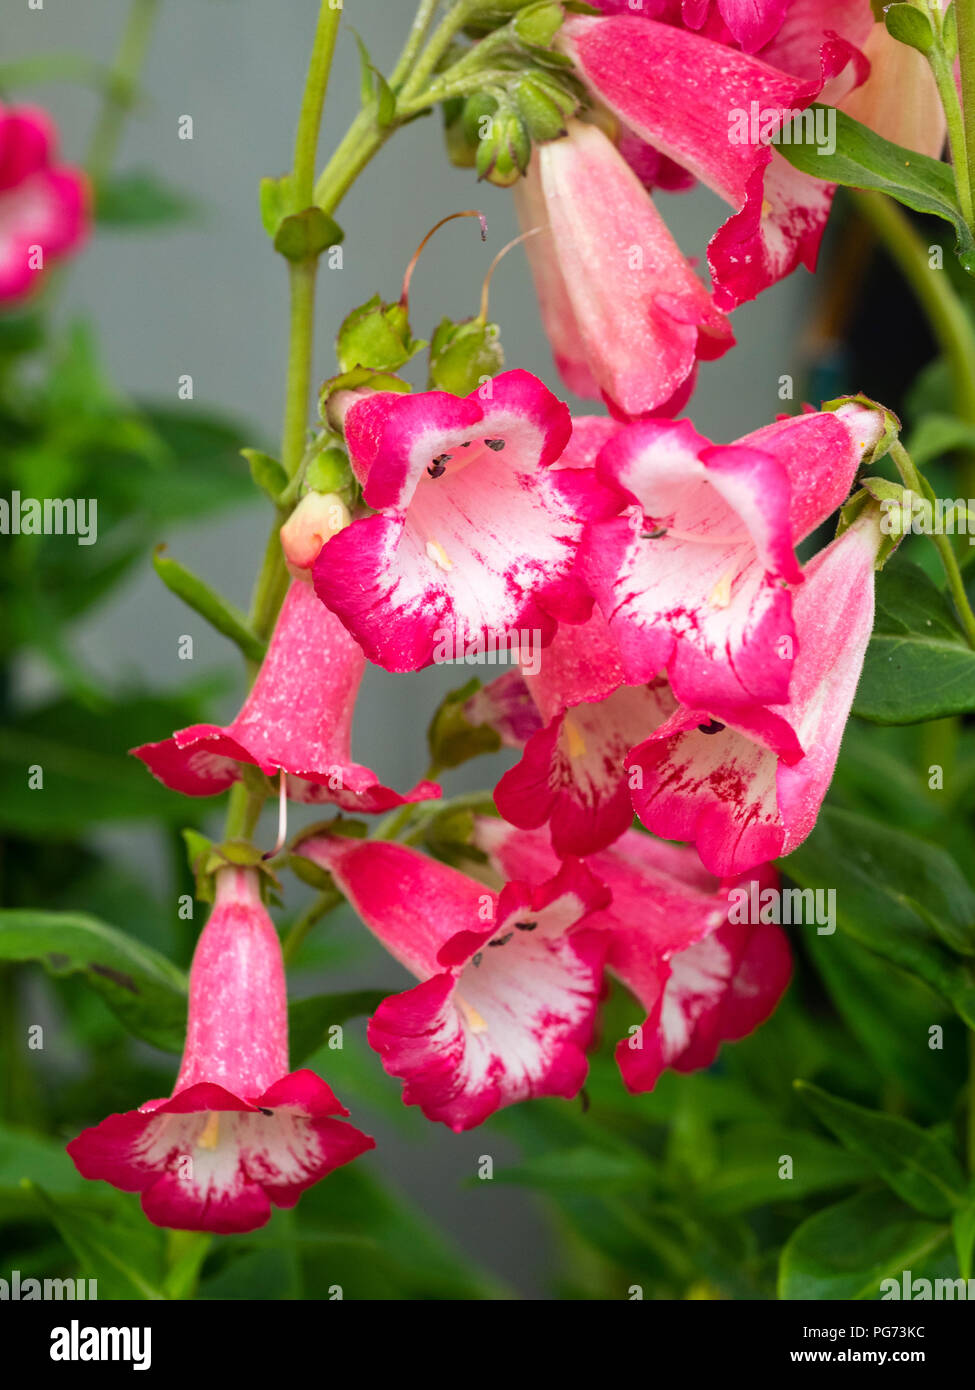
210	299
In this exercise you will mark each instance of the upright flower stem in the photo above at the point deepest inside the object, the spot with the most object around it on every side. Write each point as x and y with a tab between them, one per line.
946	314
956	585
965	15
123	78
313	102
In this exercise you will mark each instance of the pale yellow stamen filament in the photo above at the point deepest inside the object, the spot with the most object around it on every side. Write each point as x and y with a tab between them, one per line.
438	555
720	595
474	1020
210	1133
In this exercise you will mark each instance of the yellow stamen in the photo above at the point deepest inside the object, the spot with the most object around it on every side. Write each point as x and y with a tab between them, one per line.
210	1133
720	595
474	1020
438	555
577	744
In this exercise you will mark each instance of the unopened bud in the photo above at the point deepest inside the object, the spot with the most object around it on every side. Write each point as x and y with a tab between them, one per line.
538	24
502	157
317	518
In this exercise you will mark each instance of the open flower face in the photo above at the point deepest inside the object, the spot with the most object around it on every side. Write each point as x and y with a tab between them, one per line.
702	979
297	719
695	578
239	1133
43	205
508	984
746	787
475	532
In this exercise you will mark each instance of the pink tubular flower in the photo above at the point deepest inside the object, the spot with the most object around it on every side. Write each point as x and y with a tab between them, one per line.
240	1132
712	110
746	786
509	983
627	317
475	533
694	578
703	979
43	205
297	719
572	774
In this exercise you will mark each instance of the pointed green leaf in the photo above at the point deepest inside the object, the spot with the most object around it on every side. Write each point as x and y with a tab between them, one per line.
211	606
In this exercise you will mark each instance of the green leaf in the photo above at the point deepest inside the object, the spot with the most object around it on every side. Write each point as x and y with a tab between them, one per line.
88	773
909	26
145	991
846	1251
306	234
889	1014
937	434
746	1173
310	1019
211	606
864	160
918	665
584	1167
901	897
267	473
963	1232
125	1259
140	199
914	1163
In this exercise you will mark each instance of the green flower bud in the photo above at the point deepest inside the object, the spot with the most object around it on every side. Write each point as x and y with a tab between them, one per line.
463	354
330	471
543	105
377	336
502	157
538	24
477	117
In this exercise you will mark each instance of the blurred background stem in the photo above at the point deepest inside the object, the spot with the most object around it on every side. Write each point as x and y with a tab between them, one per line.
122	87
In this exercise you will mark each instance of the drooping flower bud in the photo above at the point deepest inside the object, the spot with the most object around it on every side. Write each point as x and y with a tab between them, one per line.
376	335
544	104
504	152
317	518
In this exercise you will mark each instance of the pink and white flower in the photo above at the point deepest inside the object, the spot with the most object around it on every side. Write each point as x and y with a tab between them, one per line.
43	204
297	719
703	980
693	99
239	1132
627	317
695	578
475	531
746	785
572	775
509	983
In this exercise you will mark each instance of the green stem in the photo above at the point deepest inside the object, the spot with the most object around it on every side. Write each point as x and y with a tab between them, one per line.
949	321
958	132
302	277
921	487
965	15
313	103
418	32
971	1102
326	902
443	37
122	87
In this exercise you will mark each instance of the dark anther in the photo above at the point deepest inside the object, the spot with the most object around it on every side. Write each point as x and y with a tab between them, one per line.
466	444
496	444
500	940
264	1110
653	535
526	926
476	960
439	465
711	728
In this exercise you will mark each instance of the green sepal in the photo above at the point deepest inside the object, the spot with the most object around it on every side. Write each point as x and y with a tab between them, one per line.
877	492
910	26
892	425
537	24
452	738
544	105
351	381
503	154
463	355
376	336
